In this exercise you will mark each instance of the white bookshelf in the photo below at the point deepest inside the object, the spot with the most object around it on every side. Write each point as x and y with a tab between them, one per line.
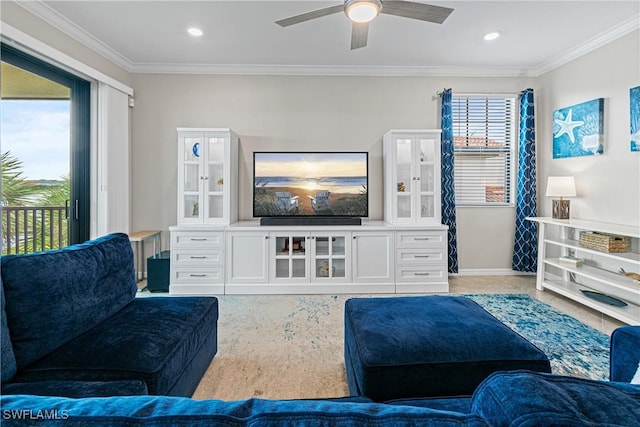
599	271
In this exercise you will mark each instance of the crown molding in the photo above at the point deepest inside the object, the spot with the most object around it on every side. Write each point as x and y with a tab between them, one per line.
43	11
328	70
620	30
23	41
60	22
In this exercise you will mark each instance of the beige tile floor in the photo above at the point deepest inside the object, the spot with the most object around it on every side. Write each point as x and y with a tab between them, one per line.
514	284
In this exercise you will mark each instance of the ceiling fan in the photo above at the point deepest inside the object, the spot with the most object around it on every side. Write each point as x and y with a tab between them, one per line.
361	12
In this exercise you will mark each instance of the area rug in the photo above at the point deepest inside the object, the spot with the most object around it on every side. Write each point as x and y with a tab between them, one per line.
291	346
573	348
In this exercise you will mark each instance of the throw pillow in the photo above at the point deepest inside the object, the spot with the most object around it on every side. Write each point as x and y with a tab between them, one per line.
636	377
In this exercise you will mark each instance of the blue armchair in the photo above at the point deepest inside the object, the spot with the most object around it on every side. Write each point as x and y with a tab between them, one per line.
625	355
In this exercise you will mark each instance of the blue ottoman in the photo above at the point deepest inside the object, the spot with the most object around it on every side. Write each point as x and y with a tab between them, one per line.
407	347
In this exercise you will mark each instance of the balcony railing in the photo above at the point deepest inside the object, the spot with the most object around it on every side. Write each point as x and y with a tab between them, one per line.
31	229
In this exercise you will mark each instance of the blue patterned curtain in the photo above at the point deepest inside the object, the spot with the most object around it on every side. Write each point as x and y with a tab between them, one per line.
525	248
448	188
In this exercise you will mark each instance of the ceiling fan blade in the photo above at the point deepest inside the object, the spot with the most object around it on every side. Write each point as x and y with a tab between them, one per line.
307	16
359	32
421	11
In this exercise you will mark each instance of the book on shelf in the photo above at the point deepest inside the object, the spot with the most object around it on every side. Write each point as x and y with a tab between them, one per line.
571	260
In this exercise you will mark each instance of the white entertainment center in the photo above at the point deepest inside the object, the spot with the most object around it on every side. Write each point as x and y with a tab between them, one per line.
214	253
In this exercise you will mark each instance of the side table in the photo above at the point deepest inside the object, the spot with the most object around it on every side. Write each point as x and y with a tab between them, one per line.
139	237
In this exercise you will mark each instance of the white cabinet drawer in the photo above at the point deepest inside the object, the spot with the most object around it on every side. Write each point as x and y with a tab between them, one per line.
196	239
198	275
419	256
194	257
435	273
420	239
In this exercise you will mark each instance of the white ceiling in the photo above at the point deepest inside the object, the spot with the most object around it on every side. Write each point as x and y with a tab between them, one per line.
241	36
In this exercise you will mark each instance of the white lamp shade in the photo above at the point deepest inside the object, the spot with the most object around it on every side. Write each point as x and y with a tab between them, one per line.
561	186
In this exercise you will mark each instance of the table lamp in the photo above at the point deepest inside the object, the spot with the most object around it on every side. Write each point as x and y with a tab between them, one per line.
561	186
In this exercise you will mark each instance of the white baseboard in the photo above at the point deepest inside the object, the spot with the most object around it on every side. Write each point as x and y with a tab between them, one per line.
490	272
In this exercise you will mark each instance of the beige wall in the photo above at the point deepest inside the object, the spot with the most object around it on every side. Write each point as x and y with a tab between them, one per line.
608	186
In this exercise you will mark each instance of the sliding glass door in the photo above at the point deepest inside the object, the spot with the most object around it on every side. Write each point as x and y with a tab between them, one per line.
45	125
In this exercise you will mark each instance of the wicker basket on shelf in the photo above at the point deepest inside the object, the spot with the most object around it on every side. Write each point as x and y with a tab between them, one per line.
604	242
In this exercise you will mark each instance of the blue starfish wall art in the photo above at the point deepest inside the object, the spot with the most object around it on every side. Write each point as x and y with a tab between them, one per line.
634	108
579	130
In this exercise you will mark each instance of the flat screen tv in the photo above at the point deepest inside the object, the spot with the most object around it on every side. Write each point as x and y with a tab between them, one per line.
310	184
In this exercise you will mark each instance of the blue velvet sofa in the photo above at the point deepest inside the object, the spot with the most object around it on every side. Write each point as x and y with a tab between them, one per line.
507	398
72	326
513	398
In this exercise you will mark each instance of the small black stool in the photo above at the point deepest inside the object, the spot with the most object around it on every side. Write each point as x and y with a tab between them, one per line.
158	272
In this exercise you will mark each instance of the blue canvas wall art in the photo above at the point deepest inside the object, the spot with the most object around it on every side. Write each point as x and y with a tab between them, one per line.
579	130
634	108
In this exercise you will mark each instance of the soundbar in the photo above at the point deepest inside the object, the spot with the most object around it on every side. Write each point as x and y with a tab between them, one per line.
311	220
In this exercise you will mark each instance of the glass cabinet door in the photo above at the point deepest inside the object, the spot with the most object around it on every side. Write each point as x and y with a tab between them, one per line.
207	159
426	177
290	257
338	255
412	186
191	159
404	177
215	177
330	256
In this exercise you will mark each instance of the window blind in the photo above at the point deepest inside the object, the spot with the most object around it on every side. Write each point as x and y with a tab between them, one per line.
483	135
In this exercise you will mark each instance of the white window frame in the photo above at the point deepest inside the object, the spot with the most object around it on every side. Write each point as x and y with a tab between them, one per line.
510	137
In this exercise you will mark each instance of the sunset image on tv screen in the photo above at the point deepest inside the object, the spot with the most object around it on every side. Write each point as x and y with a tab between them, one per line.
310	184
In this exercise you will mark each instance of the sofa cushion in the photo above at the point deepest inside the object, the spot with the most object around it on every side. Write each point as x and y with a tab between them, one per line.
460	404
152	339
77	389
172	411
55	296
625	356
524	398
427	346
8	360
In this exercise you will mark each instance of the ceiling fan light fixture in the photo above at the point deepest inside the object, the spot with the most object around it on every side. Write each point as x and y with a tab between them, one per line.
362	10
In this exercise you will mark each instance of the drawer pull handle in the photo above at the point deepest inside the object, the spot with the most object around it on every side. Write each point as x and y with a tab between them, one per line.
420	274
421	256
421	238
197	257
197	275
198	239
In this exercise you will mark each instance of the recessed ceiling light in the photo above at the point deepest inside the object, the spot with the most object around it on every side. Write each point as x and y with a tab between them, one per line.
492	36
195	31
